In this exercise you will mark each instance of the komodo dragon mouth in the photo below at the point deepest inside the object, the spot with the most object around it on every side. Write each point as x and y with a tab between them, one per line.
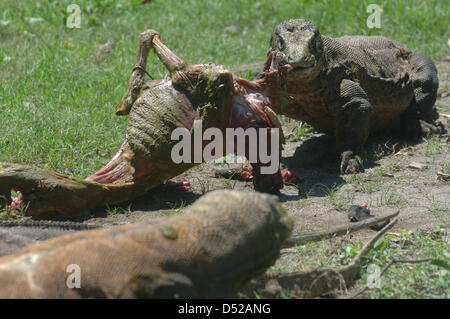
205	92
298	48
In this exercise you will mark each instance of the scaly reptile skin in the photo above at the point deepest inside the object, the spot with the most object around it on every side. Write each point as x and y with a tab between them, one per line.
351	86
211	250
15	235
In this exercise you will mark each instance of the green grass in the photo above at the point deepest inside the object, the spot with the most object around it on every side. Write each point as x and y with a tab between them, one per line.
445	168
57	97
422	280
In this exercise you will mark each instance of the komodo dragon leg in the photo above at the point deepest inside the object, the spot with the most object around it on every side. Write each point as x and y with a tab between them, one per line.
211	250
353	125
416	120
137	83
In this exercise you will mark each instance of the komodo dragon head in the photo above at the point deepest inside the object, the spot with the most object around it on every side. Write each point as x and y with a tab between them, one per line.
297	45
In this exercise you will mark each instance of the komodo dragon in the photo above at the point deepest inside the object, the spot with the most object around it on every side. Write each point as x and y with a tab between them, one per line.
351	86
205	92
211	250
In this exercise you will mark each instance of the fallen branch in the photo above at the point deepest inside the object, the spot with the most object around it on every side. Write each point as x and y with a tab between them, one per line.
392	262
313	283
339	231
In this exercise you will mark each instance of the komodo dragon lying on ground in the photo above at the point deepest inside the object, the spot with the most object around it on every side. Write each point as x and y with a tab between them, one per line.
213	249
350	86
206	92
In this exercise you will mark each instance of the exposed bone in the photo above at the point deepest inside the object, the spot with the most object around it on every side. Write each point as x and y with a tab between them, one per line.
172	62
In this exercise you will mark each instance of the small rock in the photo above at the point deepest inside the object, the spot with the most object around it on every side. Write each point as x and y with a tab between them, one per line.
416	165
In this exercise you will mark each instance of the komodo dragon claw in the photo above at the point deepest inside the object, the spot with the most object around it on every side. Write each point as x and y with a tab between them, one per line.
351	163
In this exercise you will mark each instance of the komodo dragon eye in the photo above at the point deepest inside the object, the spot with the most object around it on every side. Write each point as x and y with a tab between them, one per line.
318	45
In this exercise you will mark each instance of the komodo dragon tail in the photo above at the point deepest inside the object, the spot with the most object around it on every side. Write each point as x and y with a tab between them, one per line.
211	250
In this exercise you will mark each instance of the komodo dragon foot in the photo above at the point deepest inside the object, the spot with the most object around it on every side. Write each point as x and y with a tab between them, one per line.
211	250
350	163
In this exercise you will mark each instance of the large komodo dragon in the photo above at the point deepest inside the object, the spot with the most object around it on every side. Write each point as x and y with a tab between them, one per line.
205	92
211	250
350	86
